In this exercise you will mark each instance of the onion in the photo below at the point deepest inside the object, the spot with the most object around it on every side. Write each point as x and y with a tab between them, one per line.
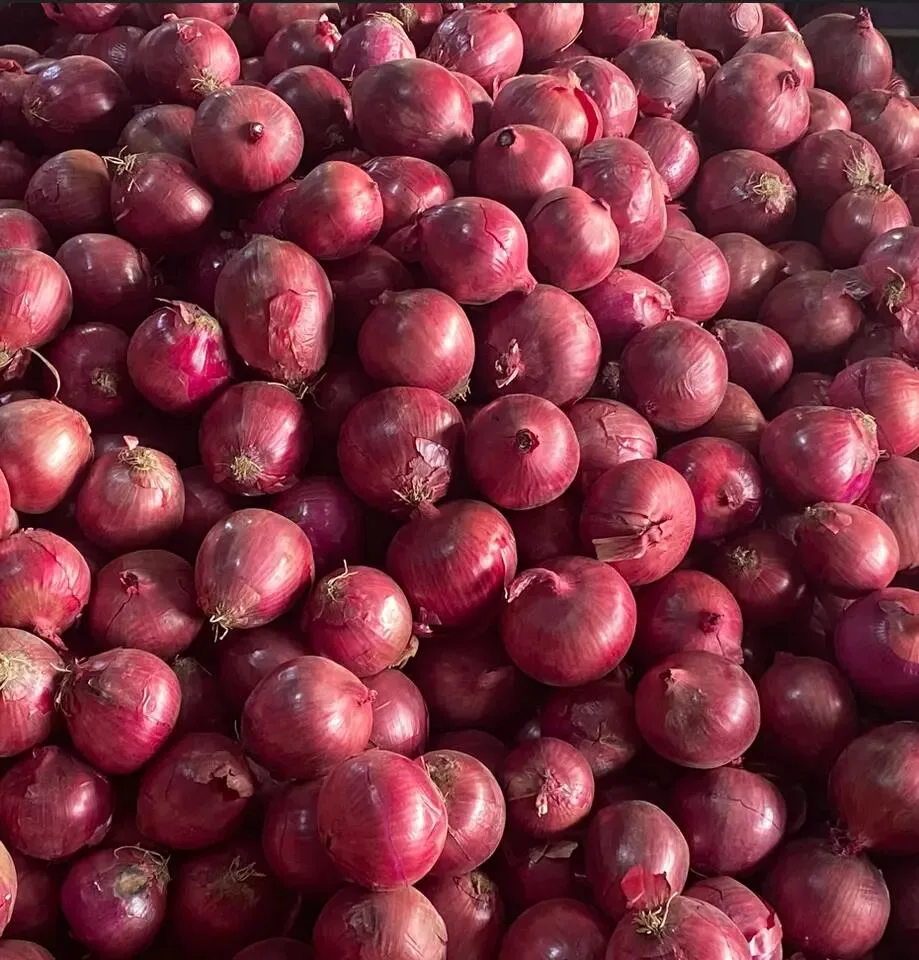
321	104
901	881
115	900
820	453
485	747
29	671
472	911
265	19
335	394
609	433
301	43
310	697
754	270
245	659
117	47
532	872
408	186
697	709
162	128
359	618
485	44
251	568
547	30
725	481
89	18
194	794
849	54
758	358
789	47
608	30
549	531
35	303
276	304
857	218
667	77
755	102
621	173
544	344
827	113
673	151
629	834
53	805
223	899
77	101
205	505
518	164
676	372
377	39
722	28
598	719
469	681
756	921
556	927
687	610
799	256
91	363
398	924
120	707
827	165
400	715
359	281
610	89
36	912
202	708
69	194
732	819
412	107
829	902
889	123
16	169
47	580
890	496
587	638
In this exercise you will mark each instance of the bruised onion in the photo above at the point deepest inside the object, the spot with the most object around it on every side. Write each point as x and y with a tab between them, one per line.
667	77
29	674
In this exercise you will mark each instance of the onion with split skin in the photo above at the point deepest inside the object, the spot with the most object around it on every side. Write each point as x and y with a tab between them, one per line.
757	921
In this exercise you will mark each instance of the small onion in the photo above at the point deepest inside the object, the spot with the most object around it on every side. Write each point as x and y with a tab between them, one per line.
29	671
828	112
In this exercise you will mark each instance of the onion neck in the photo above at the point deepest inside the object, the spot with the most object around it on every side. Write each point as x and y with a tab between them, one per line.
255	131
525	441
653	921
105	382
13	668
139	459
443	771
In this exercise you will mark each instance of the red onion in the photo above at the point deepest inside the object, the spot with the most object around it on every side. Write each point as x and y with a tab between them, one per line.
755	269
251	568
117	47
321	104
89	18
901	881
756	921
556	927
29	673
687	610
35	303
799	256
115	900
223	14
408	186
697	709
246	658
382	820
486	45
91	363
342	385
485	747
398	924
202	708
162	128
587	639
532	872
905	181
758	358
610	89
265	19
246	139
120	707
598	719
276	304
377	39
677	218
472	911
849	54
469	681
673	151
889	123
52	582
820	453
183	61
857	218
294	722
629	834
667	77
359	618
77	101
400	715
890	496
194	794
828	164
827	113
53	805
223	899
755	102
16	169
624	303
609	433
549	531
732	819
544	344
36	912
725	481
608	30
829	901
131	498
547	30
464	543
69	194
412	107
789	47
301	43
723	28
205	505
675	371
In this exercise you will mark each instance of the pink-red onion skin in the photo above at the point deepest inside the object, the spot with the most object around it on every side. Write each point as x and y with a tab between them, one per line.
667	77
608	30
609	433
244	659
472	909
485	44
722	28
757	921
890	495
557	926
29	674
400	715
609	87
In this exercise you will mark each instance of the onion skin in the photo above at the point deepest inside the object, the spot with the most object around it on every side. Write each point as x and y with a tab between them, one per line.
828	112
758	358
472	910
667	77
408	186
301	43
69	194
610	30
205	505
53	805
251	568
46	583
610	88
829	902
29	672
276	305
162	128
120	706
890	496
398	924
556	926
609	433
724	29
486	45
697	710
629	834
672	149
755	920
859	217
789	47
717	808
195	792
400	715
587	639
115	900
361	828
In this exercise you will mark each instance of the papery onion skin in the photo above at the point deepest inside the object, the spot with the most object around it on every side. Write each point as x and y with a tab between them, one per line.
672	149
611	90
629	834
676	373
408	186
668	79
732	819
806	694
697	709
829	902
52	805
557	927
687	610
251	568
722	28
120	707
472	909
389	835
375	39
826	165
857	218
398	924
754	918
29	674
486	44
276	304
610	30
